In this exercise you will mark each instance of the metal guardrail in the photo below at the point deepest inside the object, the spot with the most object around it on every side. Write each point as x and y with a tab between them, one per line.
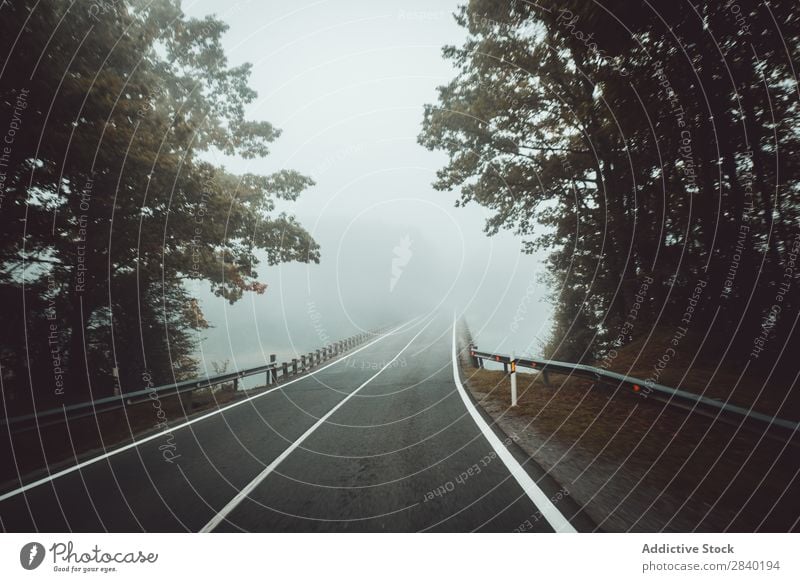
718	409
274	373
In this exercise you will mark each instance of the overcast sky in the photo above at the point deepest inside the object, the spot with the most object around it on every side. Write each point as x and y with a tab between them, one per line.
346	81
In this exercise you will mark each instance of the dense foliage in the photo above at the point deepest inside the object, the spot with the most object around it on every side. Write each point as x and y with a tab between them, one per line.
652	148
108	210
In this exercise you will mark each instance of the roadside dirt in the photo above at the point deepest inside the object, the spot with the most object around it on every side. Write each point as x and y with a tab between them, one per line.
637	465
68	443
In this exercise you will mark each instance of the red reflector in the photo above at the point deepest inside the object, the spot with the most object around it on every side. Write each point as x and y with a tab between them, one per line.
636	388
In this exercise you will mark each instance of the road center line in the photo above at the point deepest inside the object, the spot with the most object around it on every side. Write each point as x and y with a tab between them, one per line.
233	503
93	460
542	502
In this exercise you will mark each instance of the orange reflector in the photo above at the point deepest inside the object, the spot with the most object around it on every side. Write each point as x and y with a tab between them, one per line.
513	366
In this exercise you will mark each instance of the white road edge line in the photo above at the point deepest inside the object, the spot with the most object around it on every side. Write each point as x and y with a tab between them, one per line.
542	502
233	503
135	444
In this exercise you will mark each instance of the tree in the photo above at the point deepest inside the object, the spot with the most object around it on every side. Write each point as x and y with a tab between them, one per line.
109	208
644	146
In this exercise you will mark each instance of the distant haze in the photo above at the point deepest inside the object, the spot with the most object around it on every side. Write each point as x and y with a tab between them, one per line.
346	81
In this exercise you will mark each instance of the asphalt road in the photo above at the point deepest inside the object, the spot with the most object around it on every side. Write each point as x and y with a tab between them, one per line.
383	439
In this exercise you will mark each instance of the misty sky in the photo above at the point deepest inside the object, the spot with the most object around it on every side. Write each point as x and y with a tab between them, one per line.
346	81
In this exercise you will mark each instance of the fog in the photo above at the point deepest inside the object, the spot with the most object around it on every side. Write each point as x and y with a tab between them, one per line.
346	81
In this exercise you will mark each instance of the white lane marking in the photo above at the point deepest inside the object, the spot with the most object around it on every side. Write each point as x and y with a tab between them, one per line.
233	503
135	444
542	502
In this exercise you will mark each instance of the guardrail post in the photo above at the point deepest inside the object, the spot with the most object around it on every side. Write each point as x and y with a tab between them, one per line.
303	362
235	384
473	358
273	373
285	366
545	377
310	359
187	404
294	366
319	360
513	380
